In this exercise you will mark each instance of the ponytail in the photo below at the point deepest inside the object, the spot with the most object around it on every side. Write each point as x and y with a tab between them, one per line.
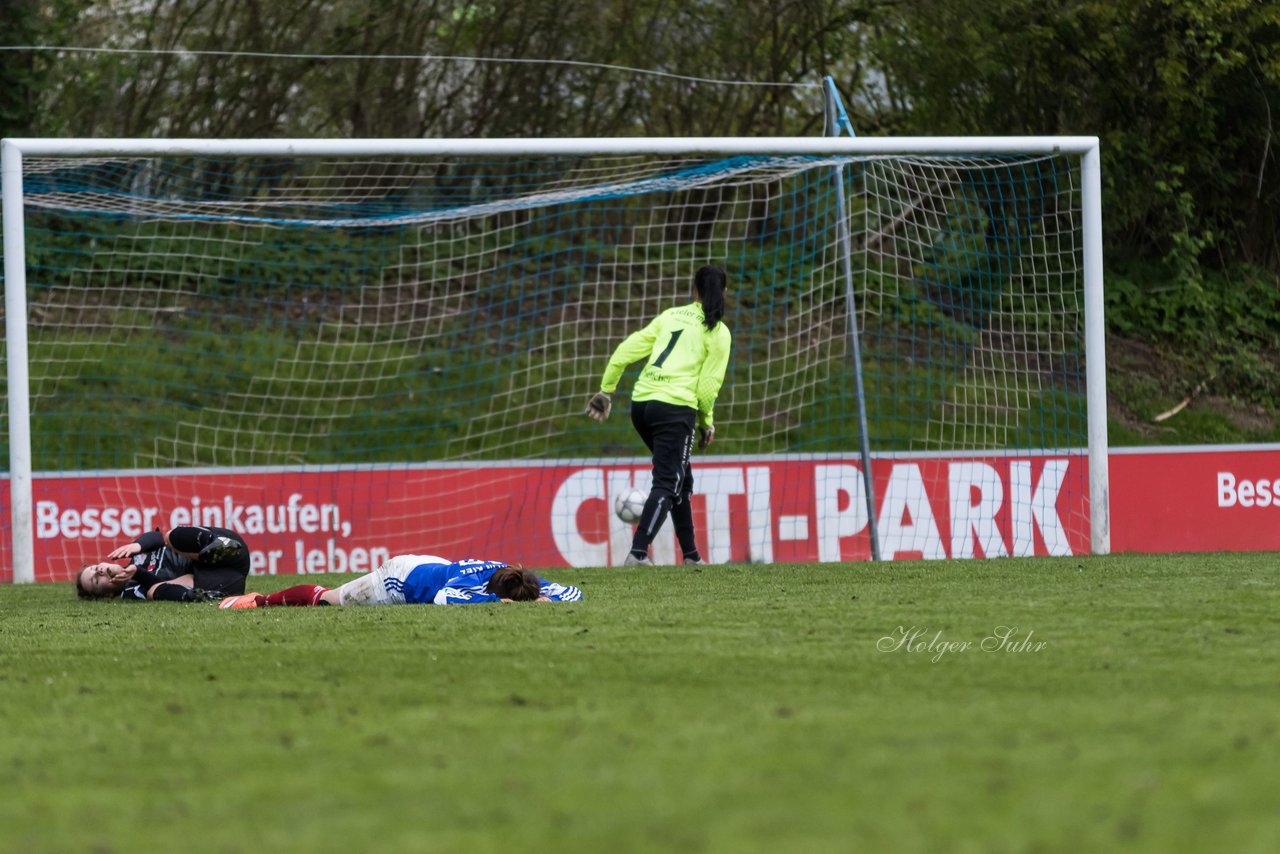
710	283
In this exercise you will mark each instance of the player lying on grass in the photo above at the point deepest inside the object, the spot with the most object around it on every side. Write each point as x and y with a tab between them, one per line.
422	580
187	564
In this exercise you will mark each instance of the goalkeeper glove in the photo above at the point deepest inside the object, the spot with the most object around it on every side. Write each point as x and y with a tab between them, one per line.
706	435
599	405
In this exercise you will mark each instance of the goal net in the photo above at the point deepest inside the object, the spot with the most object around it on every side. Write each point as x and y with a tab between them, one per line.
363	355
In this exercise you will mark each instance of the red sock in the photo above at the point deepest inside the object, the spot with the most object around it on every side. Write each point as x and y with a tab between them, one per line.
302	594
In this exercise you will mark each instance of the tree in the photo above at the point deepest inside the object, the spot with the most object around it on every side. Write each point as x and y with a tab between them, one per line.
1182	93
20	72
182	83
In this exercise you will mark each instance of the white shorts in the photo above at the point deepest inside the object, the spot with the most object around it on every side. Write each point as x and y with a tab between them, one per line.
384	585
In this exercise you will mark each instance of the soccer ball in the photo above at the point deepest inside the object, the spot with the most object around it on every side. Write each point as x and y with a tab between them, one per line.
629	505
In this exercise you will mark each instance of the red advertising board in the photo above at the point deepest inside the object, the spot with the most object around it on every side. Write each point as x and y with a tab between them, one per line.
764	509
1198	499
761	509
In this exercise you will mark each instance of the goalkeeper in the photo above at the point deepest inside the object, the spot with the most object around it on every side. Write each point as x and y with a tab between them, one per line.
688	352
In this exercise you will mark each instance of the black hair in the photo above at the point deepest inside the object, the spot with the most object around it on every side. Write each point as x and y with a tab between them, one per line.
710	282
515	583
80	588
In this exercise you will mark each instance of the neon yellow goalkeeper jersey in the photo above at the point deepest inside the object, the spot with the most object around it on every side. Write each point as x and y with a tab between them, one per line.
686	363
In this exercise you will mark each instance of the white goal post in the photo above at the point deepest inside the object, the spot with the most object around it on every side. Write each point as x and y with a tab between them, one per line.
916	166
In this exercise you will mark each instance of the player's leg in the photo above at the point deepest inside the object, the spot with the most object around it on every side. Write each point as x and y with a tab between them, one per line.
671	428
682	518
173	590
299	595
384	585
640	412
640	421
296	596
209	546
219	557
225	549
224	581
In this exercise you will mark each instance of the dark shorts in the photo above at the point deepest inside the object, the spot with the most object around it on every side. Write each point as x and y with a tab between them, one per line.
226	575
228	582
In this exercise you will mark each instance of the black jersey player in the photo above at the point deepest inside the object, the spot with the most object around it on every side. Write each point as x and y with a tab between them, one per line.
188	563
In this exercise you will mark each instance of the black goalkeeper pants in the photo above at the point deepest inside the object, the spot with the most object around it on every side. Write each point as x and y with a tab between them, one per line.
667	431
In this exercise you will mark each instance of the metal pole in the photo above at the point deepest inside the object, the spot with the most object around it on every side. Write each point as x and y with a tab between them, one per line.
1095	358
15	320
834	116
48	147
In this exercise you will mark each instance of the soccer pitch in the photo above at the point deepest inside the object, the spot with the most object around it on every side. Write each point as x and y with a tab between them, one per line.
1133	706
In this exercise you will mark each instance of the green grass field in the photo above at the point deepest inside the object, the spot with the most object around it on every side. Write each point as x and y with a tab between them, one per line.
737	708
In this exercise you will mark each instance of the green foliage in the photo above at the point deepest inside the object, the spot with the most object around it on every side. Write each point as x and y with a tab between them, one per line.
1184	95
735	709
1181	92
1219	326
19	78
429	87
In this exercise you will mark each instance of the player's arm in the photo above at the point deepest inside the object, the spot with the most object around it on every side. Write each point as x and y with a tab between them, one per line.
181	539
633	348
148	542
711	376
554	592
137	583
463	596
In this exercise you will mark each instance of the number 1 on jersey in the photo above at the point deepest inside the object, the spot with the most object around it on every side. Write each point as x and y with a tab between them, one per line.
662	357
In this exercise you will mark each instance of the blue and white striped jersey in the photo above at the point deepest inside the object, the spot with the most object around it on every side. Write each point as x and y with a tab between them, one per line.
463	583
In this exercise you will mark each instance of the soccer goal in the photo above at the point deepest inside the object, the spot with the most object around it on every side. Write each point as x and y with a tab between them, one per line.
351	349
